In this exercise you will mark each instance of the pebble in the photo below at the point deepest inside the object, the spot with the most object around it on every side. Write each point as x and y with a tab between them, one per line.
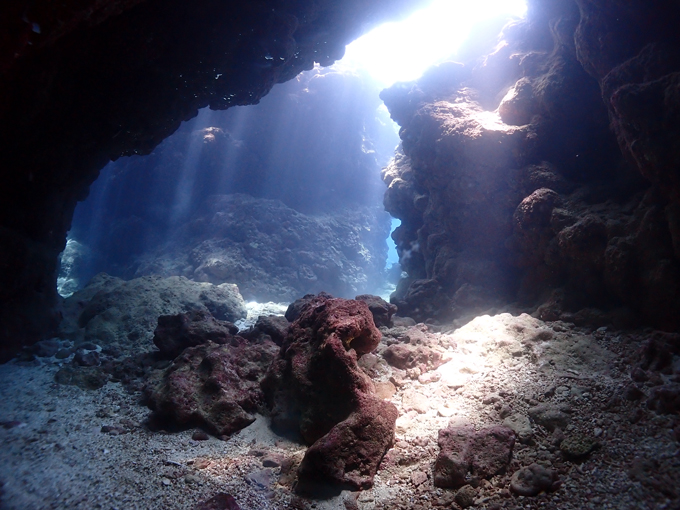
200	435
577	446
521	425
272	460
418	477
190	478
465	497
531	480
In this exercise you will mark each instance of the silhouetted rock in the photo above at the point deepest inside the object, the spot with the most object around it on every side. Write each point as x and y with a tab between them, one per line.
464	451
175	333
315	389
215	387
498	205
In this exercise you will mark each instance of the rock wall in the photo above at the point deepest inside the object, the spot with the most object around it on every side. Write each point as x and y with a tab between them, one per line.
510	184
89	81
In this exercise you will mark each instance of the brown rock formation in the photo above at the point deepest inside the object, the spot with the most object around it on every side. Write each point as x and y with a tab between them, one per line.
510	187
216	387
316	389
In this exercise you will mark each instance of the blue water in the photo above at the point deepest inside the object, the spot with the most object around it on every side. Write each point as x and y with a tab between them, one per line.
392	257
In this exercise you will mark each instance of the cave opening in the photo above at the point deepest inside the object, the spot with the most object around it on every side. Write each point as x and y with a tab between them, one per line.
530	355
316	144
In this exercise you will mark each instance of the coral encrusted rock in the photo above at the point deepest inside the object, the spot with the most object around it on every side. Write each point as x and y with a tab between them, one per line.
316	389
216	387
483	453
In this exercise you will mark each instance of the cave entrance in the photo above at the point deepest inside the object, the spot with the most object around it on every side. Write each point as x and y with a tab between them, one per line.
282	198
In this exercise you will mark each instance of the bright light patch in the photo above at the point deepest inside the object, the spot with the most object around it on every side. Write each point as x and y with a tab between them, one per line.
402	51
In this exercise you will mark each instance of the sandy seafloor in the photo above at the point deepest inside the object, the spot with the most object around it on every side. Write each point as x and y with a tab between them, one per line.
54	454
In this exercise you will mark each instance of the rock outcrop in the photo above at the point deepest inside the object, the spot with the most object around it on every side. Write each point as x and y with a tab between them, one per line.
510	186
315	389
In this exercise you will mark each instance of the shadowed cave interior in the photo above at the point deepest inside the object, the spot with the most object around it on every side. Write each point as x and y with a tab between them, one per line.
238	271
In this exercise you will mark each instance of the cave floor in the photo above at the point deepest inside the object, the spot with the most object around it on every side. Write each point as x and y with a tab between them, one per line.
68	448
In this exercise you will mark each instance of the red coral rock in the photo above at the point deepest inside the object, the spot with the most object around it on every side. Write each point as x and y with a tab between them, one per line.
316	389
215	387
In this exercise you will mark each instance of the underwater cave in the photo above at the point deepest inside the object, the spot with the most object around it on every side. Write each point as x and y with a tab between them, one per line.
390	254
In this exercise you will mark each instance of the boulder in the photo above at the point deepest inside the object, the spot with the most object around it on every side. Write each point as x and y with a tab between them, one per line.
316	390
215	387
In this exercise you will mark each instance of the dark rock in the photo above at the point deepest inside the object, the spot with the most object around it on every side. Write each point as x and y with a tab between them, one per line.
465	496
215	387
464	451
549	416
221	501
665	399
632	392
638	375
175	333
532	480
316	390
199	435
350	453
64	353
271	327
382	310
86	358
47	348
88	378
